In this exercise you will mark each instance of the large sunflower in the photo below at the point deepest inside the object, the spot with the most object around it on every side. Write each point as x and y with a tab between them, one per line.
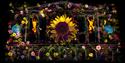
62	28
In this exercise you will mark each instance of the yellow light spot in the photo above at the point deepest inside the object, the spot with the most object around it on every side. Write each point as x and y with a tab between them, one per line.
37	57
90	54
7	42
24	18
14	34
47	54
55	54
10	4
91	26
52	25
57	19
34	25
105	40
55	22
25	5
110	37
10	53
19	39
38	4
62	19
42	13
68	19
86	6
15	40
27	47
111	20
53	31
24	21
71	24
104	22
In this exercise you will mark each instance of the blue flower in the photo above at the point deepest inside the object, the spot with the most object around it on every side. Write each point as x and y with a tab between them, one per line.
108	29
16	28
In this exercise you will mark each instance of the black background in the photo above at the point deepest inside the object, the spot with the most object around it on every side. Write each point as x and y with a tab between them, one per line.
4	17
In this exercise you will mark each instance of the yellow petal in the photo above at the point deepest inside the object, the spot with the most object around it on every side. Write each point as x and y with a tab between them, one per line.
55	22
104	22
68	19
26	22
71	24
52	25
57	17
10	54
53	31
37	57
14	34
38	4
22	21
24	18
61	19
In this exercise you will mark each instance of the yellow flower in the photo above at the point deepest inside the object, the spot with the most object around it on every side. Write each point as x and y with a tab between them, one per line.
62	28
14	34
10	53
24	21
105	40
90	54
47	54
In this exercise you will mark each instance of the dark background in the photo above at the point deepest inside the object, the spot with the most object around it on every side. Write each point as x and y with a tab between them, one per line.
4	17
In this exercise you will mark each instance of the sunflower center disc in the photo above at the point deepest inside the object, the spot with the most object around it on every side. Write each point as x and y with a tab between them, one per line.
62	28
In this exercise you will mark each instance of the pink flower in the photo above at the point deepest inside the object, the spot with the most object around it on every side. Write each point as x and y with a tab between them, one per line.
33	53
10	31
23	44
98	47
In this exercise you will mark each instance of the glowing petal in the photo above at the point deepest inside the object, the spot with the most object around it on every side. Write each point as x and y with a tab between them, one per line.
55	22
38	4
37	57
62	18
104	22
90	54
34	25
53	31
26	22
52	25
47	54
24	18
23	22
68	19
56	19
71	24
14	34
42	13
10	54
